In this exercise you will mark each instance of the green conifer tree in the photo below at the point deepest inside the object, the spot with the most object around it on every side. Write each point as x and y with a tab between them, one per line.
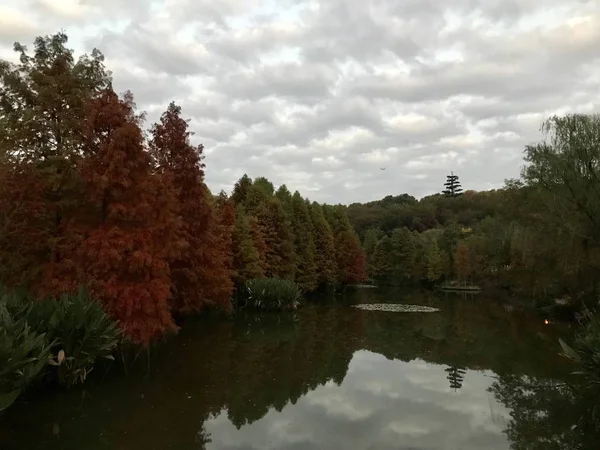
325	259
304	244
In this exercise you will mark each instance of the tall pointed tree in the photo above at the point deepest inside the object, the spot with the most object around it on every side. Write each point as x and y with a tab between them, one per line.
350	256
247	262
403	253
240	190
199	274
325	259
279	238
123	258
304	244
434	261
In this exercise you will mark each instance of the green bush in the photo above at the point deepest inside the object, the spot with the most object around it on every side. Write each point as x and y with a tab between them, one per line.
81	331
272	294
60	339
23	354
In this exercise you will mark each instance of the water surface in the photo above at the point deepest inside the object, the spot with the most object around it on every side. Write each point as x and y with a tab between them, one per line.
476	375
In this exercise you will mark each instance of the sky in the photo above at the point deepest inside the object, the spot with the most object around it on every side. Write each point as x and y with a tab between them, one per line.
323	94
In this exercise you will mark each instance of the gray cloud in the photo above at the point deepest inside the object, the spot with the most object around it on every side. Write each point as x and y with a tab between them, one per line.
320	94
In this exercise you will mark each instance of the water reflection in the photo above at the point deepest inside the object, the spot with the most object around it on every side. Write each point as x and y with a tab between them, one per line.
382	404
330	376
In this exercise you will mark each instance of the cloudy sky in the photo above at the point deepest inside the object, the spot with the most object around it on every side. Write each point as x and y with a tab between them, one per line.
321	94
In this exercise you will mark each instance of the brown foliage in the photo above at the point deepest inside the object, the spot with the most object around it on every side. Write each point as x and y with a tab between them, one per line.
122	257
200	271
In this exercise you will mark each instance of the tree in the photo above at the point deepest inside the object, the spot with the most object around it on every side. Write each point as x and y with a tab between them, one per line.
199	270
456	376
565	166
434	261
381	264
402	253
247	263
324	246
462	261
123	257
304	244
42	102
350	256
24	235
240	190
452	185
372	237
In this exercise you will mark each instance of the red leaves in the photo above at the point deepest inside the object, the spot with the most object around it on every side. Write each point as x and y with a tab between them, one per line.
200	272
124	256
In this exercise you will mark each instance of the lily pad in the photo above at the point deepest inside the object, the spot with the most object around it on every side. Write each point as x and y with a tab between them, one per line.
394	307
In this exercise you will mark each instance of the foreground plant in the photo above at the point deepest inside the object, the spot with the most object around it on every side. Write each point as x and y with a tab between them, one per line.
586	348
81	333
23	354
272	294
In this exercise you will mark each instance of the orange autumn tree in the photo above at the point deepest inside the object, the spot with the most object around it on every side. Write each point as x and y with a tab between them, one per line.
24	234
350	256
124	257
200	272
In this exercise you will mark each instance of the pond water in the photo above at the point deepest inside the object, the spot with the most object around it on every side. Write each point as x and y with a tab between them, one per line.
475	375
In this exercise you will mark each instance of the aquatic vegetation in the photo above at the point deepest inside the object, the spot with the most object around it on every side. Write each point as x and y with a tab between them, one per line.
586	348
394	307
272	294
23	355
52	339
80	329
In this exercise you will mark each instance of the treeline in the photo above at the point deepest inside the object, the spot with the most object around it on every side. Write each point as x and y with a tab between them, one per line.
538	236
87	197
282	235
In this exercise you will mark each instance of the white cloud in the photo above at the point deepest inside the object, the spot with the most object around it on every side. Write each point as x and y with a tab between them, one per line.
318	93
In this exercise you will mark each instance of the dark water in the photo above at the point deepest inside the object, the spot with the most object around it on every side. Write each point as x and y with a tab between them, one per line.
476	375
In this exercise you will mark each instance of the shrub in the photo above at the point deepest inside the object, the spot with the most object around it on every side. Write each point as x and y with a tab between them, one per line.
272	294
586	348
81	333
74	331
23	354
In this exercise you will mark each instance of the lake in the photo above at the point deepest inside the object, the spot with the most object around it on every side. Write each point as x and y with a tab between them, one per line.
475	375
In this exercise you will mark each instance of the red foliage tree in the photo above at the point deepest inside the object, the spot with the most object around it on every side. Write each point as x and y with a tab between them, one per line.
24	235
123	257
200	272
351	258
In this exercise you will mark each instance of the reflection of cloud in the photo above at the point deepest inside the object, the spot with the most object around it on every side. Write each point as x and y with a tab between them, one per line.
381	404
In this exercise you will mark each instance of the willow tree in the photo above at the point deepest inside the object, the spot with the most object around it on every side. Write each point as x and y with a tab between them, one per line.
565	165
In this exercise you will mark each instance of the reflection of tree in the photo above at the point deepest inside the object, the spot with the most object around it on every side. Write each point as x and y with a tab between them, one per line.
548	415
202	438
242	367
456	376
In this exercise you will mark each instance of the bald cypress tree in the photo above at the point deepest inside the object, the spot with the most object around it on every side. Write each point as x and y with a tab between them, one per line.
304	244
324	245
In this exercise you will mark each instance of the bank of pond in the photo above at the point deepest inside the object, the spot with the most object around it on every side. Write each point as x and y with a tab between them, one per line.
357	368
